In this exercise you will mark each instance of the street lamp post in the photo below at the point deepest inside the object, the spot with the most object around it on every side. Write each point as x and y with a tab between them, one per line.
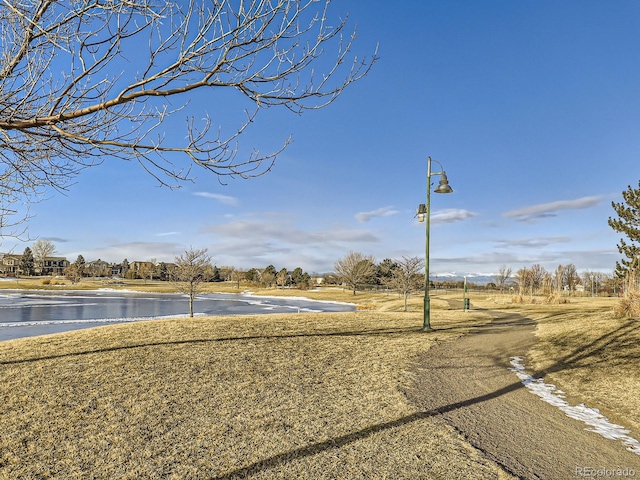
424	215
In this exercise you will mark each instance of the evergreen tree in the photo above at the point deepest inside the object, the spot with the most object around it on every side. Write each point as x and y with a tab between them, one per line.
385	271
215	275
282	278
163	271
628	224
297	276
124	268
80	265
252	275
268	276
270	270
27	262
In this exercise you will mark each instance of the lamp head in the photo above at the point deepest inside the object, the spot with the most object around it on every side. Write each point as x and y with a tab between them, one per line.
443	186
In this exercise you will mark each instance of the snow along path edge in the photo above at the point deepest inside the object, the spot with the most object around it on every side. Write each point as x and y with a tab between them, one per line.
591	416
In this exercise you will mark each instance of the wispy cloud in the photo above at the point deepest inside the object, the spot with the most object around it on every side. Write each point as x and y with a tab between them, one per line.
545	210
55	239
135	251
380	212
281	230
451	215
532	242
226	199
276	239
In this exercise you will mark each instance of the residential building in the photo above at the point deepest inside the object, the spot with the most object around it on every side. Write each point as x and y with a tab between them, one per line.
10	265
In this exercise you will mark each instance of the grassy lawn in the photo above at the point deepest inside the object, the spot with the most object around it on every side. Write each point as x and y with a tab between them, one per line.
279	396
275	396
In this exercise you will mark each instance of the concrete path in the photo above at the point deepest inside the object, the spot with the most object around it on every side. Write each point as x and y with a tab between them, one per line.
469	384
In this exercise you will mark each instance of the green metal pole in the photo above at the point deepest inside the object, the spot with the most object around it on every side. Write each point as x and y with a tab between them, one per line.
426	324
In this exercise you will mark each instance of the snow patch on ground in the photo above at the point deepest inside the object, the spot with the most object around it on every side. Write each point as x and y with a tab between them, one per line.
591	416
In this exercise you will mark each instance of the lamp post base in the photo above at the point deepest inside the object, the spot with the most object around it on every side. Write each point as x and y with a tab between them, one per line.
426	316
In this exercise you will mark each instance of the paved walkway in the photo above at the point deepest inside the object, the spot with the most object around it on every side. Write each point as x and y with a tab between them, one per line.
469	383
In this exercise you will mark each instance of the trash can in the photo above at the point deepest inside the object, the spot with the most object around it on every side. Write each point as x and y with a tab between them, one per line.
466	304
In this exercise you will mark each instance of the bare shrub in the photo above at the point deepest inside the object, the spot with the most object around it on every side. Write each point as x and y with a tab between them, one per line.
555	299
629	305
500	299
524	300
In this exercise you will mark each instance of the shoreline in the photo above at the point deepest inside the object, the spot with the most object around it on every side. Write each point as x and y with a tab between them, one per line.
255	303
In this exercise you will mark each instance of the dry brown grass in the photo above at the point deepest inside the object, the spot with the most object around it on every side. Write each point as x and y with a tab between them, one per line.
277	396
629	305
280	396
590	353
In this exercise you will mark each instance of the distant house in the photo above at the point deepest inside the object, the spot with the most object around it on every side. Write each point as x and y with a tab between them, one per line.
115	269
97	268
10	265
142	269
54	266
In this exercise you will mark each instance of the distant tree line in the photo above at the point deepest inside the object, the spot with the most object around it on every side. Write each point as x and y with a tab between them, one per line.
564	280
358	272
32	261
355	271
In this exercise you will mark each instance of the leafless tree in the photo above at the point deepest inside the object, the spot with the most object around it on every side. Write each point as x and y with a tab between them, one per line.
524	276
502	277
405	276
571	277
547	284
72	273
154	268
75	271
42	249
188	272
559	278
82	81
236	277
355	269
531	279
145	270
538	273
592	280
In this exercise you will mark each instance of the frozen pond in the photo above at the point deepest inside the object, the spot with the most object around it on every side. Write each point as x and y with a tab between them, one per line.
29	313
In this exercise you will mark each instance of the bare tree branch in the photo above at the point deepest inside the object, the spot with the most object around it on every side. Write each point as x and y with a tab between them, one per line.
82	81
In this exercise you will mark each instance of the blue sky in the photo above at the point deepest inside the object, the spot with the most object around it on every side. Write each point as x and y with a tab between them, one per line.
532	108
